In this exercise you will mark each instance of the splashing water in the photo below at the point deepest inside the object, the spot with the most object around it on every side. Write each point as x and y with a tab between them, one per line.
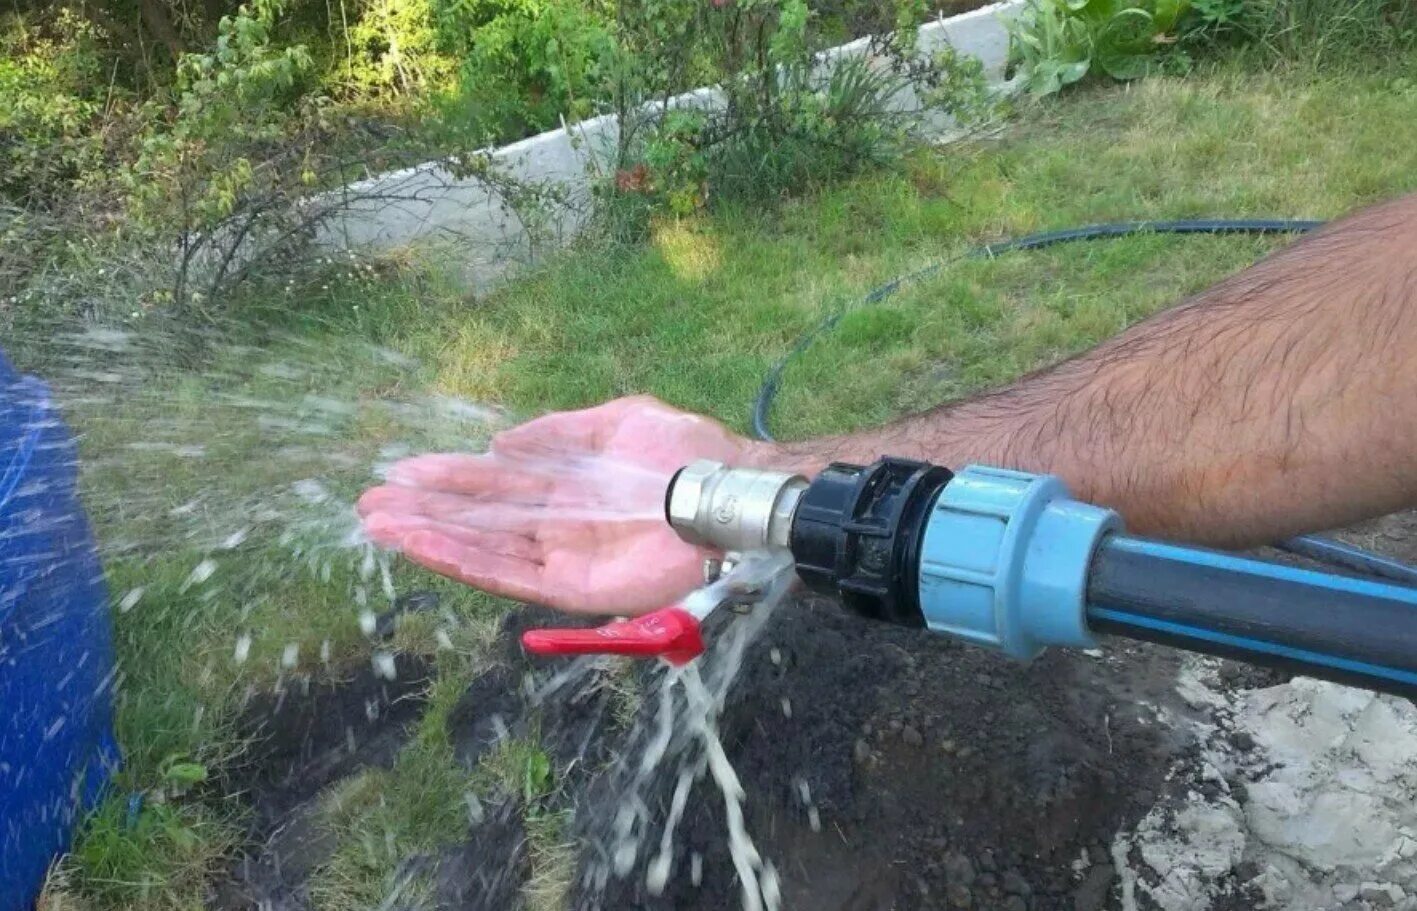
212	476
681	744
219	477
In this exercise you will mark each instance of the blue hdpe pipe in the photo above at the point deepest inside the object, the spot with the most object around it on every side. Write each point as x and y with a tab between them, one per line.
1010	562
1319	624
56	656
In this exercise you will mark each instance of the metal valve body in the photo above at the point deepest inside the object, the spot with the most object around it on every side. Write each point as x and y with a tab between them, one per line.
733	509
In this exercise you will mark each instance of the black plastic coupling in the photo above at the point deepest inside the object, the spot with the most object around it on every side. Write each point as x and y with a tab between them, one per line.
856	534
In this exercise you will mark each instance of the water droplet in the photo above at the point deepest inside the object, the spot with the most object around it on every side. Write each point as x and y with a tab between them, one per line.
475	813
130	600
235	539
200	573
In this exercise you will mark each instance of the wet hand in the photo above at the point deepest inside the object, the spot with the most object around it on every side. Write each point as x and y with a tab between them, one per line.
566	510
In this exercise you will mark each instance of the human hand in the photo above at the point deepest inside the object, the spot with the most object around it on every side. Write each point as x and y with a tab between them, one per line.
566	510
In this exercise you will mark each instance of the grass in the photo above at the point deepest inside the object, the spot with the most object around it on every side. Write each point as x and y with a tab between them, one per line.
696	316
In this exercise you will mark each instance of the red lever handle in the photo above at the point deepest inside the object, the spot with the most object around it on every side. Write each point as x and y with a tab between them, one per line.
671	633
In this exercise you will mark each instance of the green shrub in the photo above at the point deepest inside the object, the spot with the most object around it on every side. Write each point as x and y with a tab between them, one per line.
392	48
525	63
789	120
51	81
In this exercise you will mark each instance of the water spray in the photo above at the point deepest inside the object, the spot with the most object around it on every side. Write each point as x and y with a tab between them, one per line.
1009	561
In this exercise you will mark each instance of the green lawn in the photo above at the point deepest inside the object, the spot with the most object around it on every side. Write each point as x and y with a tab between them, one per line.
696	316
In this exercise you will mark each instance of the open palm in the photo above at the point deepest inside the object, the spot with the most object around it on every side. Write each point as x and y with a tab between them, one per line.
566	510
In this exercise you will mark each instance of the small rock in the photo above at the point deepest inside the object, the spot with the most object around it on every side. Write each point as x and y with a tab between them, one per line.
866	729
959	869
1243	740
1015	903
1382	895
862	751
947	745
1092	894
959	895
1014	884
896	725
1345	892
911	736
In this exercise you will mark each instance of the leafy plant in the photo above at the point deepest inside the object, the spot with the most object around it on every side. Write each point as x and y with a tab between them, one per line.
1054	43
393	48
180	774
48	106
525	63
536	780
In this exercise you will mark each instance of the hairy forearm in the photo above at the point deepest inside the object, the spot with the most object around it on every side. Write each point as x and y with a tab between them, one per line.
1281	400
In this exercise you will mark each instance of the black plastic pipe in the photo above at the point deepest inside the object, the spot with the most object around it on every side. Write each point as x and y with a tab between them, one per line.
1353	631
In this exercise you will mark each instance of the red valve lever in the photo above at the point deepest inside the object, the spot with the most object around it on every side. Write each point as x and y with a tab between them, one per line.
671	633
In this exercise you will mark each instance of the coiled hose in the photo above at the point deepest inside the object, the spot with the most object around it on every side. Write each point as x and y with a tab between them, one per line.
1311	547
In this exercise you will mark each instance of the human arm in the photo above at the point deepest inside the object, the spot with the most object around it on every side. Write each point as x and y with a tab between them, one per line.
1281	400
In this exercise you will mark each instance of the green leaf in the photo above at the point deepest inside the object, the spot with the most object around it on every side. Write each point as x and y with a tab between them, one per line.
538	776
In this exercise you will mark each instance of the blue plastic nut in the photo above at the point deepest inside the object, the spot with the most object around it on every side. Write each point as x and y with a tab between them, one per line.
1004	561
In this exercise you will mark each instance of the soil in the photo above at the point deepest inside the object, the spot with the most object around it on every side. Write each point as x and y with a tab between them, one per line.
941	777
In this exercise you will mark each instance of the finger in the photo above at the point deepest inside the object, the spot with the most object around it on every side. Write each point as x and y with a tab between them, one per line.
392	531
499	574
474	475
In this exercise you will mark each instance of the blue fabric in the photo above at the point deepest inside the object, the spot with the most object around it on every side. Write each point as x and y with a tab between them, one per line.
56	653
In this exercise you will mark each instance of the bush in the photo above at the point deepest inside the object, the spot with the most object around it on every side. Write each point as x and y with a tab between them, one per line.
789	119
525	63
393	49
50	79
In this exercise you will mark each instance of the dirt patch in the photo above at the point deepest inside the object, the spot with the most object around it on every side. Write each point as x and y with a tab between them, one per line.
940	776
304	738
